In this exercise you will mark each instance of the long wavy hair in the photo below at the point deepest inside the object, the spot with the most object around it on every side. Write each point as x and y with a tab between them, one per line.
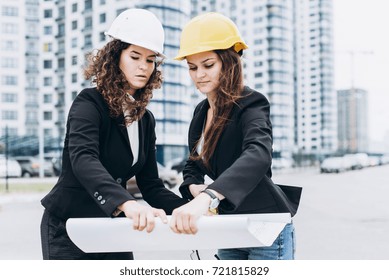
104	71
229	92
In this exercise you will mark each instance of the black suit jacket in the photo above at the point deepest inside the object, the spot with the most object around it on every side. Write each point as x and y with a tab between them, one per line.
241	162
97	162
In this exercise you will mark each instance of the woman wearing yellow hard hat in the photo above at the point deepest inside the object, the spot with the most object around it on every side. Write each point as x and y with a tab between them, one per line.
110	138
230	140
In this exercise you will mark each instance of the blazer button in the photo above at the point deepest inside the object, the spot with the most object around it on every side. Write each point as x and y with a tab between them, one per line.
96	194
102	202
100	198
119	180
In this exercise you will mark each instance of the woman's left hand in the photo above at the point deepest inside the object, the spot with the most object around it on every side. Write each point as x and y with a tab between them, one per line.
184	218
196	189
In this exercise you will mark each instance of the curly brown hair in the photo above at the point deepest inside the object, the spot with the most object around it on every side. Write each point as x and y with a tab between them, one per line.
228	93
104	71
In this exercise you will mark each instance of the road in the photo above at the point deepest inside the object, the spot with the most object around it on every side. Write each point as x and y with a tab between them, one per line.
342	217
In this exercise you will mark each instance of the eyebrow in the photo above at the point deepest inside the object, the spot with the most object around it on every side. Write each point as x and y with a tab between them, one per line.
204	61
138	53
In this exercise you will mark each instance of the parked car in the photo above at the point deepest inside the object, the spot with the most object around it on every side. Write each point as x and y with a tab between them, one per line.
281	163
30	166
358	160
168	176
178	164
335	165
10	166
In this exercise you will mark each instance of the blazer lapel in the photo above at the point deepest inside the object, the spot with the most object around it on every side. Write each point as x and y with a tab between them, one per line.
122	128
196	130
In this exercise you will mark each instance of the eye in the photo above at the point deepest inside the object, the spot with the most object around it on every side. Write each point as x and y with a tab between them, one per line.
209	65
135	57
192	68
151	60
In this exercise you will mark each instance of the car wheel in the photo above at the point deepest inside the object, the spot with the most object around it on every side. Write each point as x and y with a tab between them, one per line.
26	175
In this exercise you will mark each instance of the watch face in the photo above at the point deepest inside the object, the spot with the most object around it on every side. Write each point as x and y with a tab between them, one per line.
214	203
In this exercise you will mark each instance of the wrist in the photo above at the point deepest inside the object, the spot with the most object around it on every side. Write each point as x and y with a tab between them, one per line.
214	201
122	206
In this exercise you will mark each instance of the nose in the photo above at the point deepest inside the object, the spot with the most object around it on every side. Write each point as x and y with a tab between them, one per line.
200	73
142	65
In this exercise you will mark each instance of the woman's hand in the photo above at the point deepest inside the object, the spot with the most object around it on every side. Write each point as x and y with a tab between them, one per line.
196	189
142	216
184	218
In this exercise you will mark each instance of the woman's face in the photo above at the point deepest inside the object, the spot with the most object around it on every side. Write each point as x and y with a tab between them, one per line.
137	64
205	69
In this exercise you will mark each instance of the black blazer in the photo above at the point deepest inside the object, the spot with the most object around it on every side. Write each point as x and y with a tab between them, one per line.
241	162
97	162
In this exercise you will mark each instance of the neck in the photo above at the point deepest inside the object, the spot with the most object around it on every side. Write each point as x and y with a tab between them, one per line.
211	100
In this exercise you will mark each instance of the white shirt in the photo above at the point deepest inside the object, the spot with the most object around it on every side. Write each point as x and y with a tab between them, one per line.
133	135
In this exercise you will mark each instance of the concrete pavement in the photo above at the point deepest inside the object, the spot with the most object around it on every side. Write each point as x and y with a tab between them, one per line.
341	217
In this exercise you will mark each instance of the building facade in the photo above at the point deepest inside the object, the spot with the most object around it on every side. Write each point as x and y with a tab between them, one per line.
315	96
289	60
352	121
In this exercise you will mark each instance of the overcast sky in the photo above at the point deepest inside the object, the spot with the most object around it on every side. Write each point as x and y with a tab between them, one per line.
362	26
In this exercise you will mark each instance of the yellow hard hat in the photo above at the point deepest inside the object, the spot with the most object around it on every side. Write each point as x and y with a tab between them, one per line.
207	32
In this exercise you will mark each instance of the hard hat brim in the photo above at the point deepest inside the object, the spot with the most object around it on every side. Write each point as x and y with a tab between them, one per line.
238	46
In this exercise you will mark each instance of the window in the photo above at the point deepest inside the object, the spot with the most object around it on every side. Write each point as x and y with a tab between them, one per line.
47	81
9	80
74	60
9	62
102	36
88	5
61	12
74	42
61	29
74	78
48	13
9	115
11	131
47	98
61	63
87	41
9	45
47	47
47	64
74	7
102	18
9	11
48	132
47	30
9	98
47	116
74	24
88	22
9	28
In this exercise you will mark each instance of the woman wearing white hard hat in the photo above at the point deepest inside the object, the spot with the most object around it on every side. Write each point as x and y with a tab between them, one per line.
110	137
230	140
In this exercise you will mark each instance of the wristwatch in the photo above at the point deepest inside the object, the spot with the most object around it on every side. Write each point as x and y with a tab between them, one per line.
214	201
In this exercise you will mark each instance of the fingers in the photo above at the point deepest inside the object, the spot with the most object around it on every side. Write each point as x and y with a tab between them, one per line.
135	221
183	223
150	221
161	214
143	217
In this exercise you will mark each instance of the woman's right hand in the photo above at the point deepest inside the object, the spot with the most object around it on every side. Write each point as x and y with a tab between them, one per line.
142	216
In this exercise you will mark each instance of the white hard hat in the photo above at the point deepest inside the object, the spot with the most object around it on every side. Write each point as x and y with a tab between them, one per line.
139	27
